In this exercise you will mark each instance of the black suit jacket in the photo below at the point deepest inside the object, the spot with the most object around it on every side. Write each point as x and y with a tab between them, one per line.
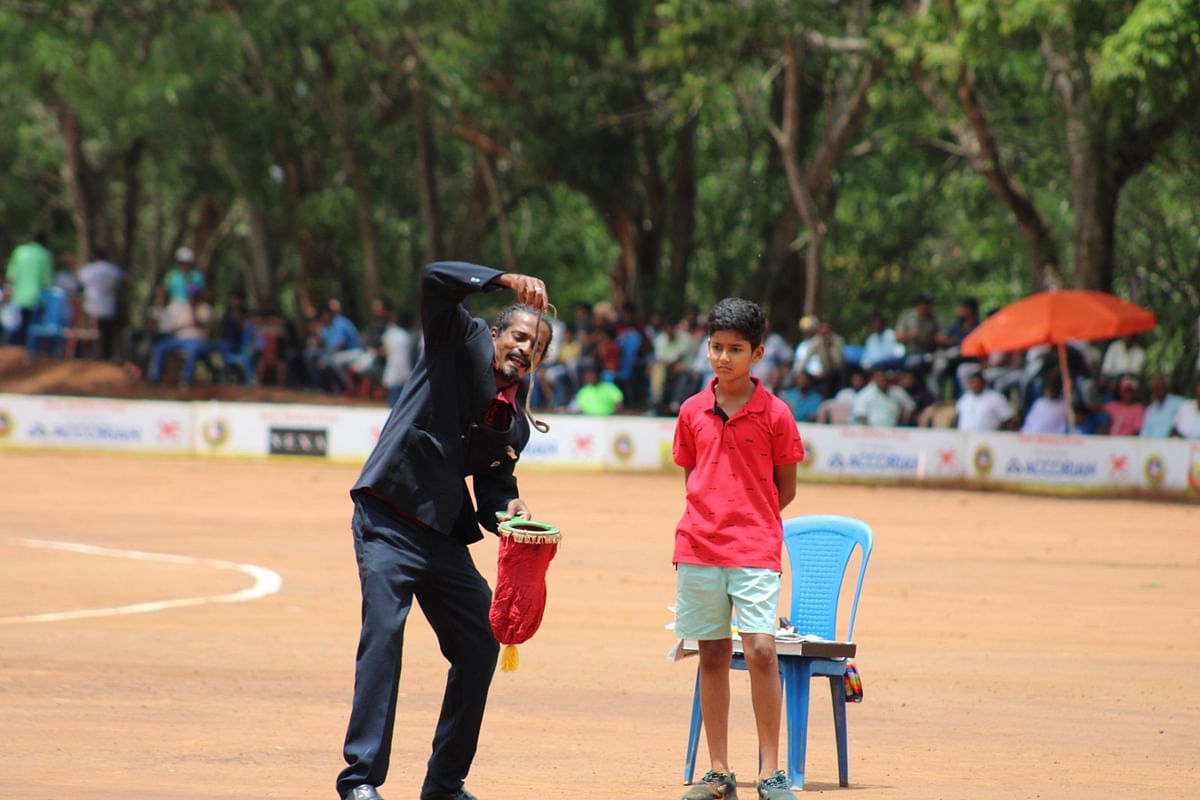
433	437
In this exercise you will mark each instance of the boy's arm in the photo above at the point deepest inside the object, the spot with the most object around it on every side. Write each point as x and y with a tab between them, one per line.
785	484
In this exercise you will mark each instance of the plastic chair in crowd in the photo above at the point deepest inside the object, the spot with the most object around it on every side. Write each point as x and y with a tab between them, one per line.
245	358
50	324
819	548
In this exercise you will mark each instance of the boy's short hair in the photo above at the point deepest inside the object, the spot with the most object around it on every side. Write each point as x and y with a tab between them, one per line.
741	316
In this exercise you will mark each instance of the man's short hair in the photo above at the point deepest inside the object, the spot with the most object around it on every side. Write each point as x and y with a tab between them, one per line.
743	317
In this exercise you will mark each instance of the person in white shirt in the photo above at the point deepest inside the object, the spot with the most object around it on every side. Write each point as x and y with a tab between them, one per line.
879	404
1159	420
1123	357
101	281
1187	417
981	408
399	352
1048	414
881	348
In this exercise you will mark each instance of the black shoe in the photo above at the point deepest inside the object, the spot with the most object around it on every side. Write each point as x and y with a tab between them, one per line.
364	792
461	794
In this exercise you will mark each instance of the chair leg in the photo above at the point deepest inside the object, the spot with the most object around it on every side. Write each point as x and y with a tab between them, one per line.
837	689
796	679
689	761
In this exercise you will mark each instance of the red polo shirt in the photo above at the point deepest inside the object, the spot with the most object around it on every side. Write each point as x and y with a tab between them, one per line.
732	515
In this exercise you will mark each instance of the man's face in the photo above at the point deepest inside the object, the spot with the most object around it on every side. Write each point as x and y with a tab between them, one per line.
975	384
1159	388
518	346
731	355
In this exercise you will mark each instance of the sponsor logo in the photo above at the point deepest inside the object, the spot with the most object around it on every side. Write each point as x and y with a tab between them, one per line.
1118	466
583	445
947	458
874	461
1155	470
168	430
298	441
80	431
623	447
983	460
536	449
6	423
1050	468
215	432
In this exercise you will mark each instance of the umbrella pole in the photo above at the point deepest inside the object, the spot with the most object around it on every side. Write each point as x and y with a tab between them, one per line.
1068	393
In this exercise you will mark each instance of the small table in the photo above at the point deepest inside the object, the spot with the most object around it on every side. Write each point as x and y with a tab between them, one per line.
812	649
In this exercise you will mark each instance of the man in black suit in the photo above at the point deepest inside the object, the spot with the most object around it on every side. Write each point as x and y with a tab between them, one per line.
414	517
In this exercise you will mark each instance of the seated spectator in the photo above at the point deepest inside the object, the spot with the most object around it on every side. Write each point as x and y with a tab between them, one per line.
334	348
1048	414
1123	357
774	367
596	397
1090	417
235	336
910	381
186	323
881	404
981	408
1187	416
672	354
837	410
1159	418
823	357
1125	411
881	348
803	398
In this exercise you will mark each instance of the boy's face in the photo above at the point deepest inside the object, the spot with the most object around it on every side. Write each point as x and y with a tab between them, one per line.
731	356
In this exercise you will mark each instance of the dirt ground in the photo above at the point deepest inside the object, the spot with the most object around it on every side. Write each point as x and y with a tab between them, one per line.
1009	646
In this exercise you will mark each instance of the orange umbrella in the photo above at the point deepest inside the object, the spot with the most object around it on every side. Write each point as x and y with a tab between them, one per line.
1054	317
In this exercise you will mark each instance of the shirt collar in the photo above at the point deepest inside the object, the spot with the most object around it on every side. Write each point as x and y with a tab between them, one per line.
756	404
508	394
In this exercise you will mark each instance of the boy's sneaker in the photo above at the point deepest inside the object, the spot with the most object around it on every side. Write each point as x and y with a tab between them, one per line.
775	787
713	786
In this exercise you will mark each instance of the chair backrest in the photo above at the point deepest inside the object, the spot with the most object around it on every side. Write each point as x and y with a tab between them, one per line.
819	548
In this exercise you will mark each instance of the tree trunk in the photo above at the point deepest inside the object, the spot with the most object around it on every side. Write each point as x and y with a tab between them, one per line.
431	213
77	174
683	221
261	290
1094	203
133	198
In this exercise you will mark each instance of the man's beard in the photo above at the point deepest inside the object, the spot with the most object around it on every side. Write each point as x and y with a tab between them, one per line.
507	371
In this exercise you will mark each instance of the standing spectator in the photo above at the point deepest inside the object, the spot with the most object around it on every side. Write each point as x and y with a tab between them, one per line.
1123	357
880	404
102	280
981	408
30	270
917	329
1187	416
672	350
184	281
1048	414
1125	411
1159	418
948	356
823	356
399	352
881	349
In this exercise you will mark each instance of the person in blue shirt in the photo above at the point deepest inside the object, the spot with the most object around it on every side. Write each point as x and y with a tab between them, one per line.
803	398
334	347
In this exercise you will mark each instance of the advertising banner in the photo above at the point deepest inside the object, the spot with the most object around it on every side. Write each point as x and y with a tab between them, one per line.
1045	460
258	429
87	423
573	442
899	454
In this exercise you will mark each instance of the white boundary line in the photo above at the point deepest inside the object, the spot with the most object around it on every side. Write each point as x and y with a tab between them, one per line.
266	582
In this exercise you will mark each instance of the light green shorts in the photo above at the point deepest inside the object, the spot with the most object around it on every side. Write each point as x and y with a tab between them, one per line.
705	598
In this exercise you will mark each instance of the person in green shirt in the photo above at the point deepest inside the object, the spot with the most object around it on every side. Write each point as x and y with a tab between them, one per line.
30	270
597	398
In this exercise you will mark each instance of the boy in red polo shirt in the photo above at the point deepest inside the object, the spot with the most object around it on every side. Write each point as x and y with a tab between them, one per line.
739	446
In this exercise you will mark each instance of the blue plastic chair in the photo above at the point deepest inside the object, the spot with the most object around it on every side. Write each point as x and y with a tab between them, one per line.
50	323
819	549
246	357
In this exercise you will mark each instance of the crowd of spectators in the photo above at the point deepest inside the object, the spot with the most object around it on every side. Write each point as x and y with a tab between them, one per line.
603	359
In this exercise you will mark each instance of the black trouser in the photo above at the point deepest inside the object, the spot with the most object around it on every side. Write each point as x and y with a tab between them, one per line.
395	563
